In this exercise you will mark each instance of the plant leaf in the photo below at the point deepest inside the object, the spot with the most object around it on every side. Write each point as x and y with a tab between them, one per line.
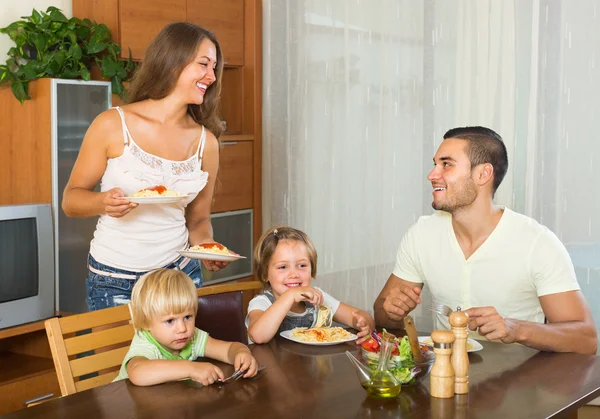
95	48
117	86
39	41
56	15
5	74
82	32
36	17
75	51
19	89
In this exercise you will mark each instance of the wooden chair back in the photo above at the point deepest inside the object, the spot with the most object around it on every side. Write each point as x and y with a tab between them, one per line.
88	348
222	310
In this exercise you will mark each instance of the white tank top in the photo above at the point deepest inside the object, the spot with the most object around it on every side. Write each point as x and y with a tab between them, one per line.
150	235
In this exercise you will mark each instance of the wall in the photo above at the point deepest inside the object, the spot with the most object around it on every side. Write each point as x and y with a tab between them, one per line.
12	10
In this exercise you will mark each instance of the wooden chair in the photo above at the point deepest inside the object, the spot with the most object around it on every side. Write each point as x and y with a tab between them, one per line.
222	310
77	366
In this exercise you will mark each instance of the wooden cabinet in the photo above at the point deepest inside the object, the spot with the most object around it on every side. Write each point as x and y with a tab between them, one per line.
133	23
226	20
140	21
234	184
25	174
27	371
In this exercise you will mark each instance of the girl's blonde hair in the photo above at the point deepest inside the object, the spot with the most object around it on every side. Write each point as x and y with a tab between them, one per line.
160	293
167	55
263	252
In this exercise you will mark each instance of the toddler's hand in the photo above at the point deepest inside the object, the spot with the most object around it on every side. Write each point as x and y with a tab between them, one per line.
205	373
244	361
312	295
364	325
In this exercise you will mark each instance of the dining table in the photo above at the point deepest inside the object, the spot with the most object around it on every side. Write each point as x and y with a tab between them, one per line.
319	381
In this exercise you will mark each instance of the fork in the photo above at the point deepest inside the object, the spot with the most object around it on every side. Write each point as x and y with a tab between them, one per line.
239	373
328	321
442	309
233	376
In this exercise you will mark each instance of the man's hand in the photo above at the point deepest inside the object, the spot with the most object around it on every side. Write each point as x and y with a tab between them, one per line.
400	301
489	323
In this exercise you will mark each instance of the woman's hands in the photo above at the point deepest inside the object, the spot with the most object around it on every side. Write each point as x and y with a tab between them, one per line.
214	265
116	204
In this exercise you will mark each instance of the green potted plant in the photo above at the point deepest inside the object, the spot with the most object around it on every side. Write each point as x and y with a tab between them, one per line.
50	45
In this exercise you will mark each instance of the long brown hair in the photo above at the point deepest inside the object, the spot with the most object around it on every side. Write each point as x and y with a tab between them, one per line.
167	55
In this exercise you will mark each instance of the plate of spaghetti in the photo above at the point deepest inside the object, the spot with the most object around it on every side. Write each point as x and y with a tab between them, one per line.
211	251
156	195
319	335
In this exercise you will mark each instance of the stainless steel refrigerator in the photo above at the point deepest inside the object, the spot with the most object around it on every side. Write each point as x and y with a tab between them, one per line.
75	104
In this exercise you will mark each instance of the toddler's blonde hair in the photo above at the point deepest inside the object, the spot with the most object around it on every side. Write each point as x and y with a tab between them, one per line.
263	252
160	293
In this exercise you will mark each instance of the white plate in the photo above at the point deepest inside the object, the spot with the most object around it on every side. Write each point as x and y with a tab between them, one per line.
210	256
474	345
288	335
155	199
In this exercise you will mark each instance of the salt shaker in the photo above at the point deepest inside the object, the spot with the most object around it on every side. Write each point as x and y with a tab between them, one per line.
460	359
441	377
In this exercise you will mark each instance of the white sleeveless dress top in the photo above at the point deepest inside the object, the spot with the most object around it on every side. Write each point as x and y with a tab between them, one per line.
151	234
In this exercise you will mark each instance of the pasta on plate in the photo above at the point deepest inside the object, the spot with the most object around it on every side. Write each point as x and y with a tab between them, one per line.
212	248
320	334
159	190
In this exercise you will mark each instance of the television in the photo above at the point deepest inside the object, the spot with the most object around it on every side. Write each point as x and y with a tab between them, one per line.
27	269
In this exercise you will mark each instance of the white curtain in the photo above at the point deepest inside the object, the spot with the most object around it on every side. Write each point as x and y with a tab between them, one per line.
357	96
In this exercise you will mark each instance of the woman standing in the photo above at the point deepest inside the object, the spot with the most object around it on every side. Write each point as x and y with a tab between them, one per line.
166	135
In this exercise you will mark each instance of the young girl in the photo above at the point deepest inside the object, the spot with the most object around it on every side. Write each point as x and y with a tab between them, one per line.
164	306
285	260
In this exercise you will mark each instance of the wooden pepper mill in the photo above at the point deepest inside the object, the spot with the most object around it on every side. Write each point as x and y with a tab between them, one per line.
460	359
441	377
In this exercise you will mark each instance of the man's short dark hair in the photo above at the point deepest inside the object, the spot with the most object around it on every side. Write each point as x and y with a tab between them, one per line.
483	146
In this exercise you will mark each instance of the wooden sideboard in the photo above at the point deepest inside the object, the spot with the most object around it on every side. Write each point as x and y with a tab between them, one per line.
26	369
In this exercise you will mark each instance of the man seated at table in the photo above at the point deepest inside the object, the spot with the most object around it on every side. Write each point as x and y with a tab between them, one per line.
510	273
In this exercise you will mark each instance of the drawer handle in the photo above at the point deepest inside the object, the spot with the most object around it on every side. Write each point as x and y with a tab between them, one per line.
229	143
39	399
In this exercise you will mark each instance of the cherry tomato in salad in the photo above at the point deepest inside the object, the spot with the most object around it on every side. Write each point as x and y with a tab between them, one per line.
371	345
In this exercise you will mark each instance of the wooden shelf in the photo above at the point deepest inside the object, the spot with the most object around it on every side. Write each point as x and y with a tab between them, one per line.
22	329
17	367
238	137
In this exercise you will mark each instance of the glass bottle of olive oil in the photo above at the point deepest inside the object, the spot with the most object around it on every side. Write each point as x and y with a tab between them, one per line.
383	383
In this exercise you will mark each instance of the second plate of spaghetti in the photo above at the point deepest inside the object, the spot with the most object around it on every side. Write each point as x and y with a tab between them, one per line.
319	336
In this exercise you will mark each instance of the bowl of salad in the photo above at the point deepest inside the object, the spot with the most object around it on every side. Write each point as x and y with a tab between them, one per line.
402	363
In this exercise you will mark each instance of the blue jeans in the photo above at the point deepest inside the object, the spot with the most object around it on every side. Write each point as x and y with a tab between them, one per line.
104	291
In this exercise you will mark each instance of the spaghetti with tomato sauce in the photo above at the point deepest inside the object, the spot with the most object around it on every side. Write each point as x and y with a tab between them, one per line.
320	334
158	190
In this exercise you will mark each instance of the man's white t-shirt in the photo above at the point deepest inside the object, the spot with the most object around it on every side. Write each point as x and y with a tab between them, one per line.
520	261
